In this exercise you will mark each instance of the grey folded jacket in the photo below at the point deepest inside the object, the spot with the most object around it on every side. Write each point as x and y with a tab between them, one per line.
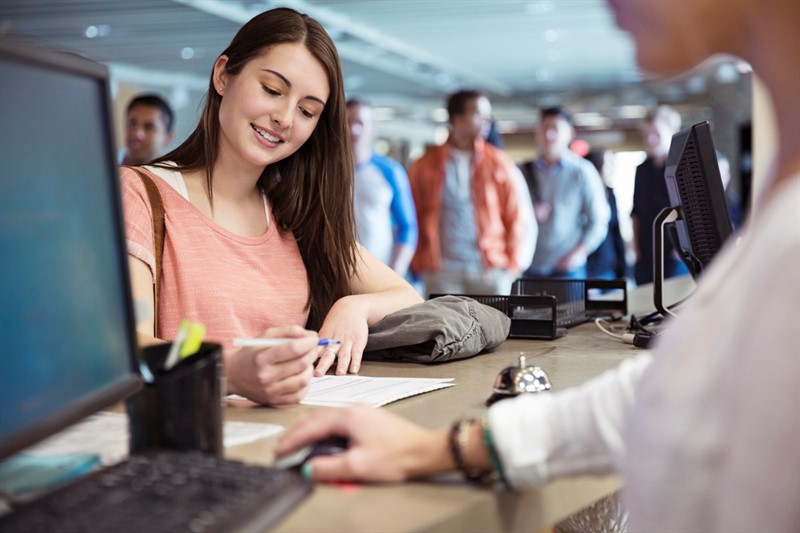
438	330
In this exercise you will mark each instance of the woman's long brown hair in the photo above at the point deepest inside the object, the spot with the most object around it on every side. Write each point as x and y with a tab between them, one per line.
311	191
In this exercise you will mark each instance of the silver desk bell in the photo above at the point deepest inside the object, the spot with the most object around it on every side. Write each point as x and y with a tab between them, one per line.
518	379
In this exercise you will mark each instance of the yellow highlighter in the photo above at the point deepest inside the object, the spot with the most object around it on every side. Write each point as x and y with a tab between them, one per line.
194	338
187	342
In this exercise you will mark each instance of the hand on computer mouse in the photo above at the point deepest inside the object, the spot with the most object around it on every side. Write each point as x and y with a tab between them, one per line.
381	446
327	446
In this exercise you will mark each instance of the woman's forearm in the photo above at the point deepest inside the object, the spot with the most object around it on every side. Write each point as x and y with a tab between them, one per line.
379	304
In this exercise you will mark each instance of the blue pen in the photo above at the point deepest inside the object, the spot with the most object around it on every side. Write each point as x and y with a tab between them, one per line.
262	342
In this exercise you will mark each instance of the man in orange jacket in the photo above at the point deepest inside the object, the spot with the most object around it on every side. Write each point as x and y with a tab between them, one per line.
473	208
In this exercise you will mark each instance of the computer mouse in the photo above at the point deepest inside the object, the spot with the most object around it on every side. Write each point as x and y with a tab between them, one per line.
327	446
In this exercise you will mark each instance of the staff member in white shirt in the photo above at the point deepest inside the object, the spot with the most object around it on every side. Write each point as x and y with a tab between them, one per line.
706	431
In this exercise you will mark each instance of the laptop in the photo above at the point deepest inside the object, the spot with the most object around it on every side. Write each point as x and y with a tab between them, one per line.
67	326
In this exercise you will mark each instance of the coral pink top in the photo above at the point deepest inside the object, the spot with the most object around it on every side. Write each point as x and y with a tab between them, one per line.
235	286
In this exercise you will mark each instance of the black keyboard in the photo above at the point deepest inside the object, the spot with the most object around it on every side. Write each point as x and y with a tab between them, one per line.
166	491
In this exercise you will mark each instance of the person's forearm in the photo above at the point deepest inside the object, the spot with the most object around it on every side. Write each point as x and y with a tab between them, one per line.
593	237
580	249
231	382
146	339
435	455
568	261
430	456
377	305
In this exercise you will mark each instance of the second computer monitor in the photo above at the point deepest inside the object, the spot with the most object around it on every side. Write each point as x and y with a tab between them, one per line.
695	188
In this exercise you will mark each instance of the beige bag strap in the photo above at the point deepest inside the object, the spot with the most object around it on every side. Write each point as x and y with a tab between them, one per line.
159	233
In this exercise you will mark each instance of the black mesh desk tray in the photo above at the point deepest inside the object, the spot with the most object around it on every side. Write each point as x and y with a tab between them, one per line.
578	300
543	308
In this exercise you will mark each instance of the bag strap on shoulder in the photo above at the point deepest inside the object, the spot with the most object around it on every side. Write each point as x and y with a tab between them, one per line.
159	233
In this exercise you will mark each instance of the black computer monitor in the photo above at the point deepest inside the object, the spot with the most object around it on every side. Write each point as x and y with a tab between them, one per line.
695	186
699	214
66	318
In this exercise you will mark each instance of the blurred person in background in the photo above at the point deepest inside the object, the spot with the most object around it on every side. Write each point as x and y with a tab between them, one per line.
568	200
608	260
148	129
650	195
384	208
525	253
470	207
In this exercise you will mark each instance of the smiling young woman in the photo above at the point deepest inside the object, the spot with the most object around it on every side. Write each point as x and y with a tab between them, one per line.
260	237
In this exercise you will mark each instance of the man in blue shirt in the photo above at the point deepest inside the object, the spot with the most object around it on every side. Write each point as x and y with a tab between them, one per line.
386	219
568	200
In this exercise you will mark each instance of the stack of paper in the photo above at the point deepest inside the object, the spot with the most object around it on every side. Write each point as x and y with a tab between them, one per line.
341	391
106	434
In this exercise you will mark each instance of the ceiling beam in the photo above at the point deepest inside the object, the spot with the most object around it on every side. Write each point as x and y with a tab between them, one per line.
367	47
132	74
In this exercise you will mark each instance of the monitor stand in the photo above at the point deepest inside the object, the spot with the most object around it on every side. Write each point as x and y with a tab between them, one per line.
667	215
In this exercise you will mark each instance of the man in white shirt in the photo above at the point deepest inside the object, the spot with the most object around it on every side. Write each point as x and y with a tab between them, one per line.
707	430
384	208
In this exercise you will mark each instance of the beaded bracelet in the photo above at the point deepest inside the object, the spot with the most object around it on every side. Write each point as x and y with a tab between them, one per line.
458	446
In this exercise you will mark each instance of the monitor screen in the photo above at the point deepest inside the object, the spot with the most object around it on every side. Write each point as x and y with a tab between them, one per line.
695	187
66	319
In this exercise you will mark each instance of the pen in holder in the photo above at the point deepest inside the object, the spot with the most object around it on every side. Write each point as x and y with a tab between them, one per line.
180	408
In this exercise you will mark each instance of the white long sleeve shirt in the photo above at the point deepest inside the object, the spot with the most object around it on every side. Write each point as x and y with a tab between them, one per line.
707	429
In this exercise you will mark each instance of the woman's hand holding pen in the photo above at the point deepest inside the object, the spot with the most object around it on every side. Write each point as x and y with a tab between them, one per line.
346	322
277	376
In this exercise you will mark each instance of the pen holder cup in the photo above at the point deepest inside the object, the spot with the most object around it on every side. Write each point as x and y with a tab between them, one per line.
181	409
